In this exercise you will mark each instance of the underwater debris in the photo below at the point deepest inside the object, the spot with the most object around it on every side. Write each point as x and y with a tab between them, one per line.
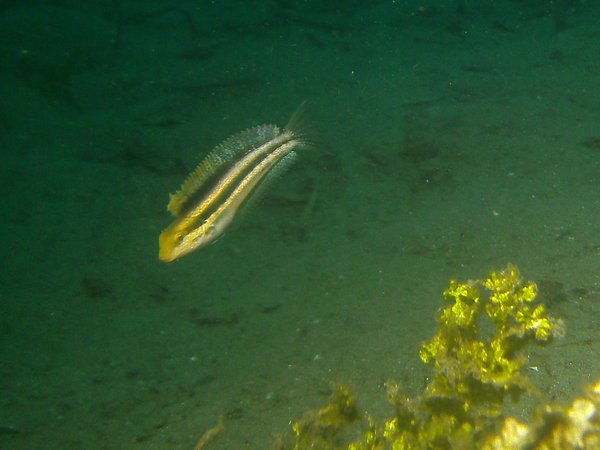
210	435
477	362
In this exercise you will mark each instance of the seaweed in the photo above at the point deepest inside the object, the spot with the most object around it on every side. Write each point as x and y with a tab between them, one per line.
478	363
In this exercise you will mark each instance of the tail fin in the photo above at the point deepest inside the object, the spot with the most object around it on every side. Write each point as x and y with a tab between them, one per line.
302	128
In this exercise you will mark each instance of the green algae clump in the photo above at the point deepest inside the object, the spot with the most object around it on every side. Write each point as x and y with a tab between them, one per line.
477	363
478	369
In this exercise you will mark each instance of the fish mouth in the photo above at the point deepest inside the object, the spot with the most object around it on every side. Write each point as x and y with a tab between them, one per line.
166	248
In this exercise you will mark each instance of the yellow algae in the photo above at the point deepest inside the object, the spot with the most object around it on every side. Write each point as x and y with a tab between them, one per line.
463	406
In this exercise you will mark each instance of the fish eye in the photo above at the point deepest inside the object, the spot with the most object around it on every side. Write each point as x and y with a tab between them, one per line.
208	228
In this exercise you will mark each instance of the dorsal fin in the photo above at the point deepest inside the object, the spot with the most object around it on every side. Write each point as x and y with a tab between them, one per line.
224	153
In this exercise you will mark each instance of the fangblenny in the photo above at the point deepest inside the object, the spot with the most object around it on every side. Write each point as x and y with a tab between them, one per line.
213	193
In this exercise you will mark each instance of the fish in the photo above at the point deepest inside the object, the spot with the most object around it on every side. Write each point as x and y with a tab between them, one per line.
225	180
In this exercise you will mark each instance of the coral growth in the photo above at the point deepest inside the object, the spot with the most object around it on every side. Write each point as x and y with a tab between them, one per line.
477	362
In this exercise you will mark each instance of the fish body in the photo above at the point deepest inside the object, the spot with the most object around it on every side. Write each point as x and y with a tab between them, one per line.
209	199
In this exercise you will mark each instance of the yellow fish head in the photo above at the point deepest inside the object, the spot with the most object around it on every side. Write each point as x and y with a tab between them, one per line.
176	241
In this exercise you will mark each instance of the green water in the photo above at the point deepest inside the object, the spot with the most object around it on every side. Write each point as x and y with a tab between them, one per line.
454	137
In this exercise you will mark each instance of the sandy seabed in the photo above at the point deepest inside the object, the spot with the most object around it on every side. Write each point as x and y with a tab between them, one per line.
452	139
